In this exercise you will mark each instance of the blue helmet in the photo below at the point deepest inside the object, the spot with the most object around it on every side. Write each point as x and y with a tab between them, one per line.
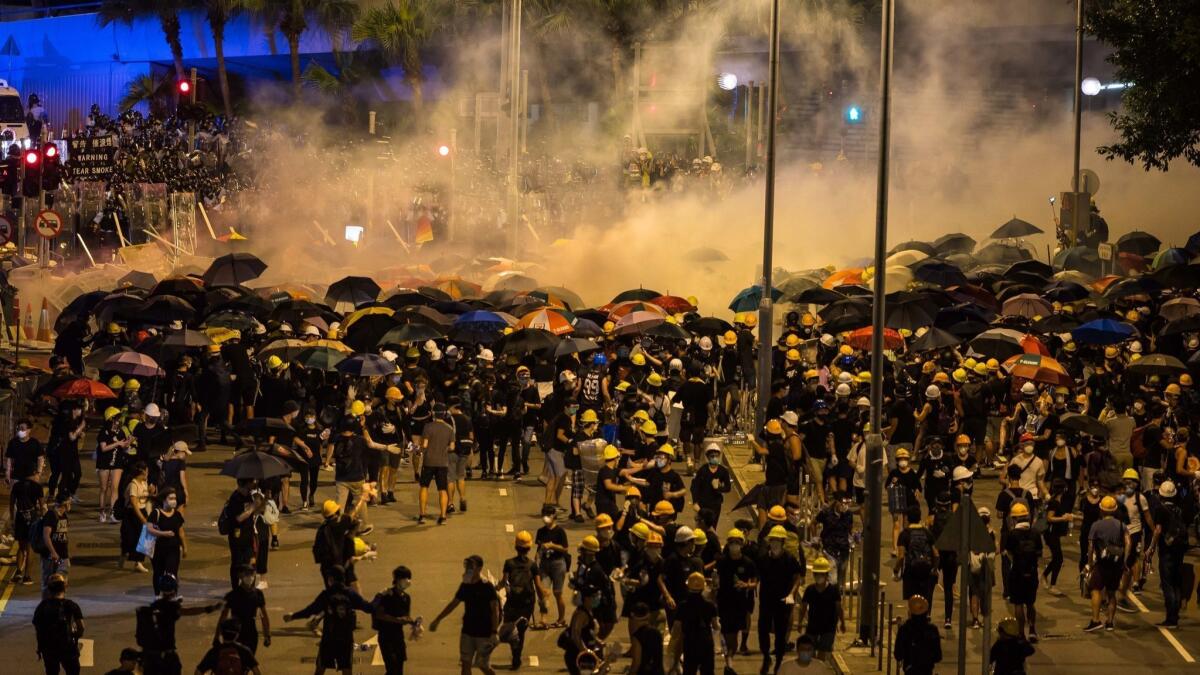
845	362
599	360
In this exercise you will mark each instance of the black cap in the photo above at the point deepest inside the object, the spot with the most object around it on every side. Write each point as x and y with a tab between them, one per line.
290	407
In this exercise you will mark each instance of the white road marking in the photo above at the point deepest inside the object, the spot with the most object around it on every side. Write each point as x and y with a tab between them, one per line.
508	527
1175	643
533	662
503	492
87	653
1137	603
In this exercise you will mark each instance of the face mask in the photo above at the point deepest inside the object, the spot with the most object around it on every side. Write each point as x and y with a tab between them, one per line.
604	535
310	421
22	434
963	450
903	464
1028	449
776	548
713	461
660	462
547	519
468	576
804	657
794	518
1129	489
1060	442
247	582
595	602
151	422
735	549
1094	491
171	504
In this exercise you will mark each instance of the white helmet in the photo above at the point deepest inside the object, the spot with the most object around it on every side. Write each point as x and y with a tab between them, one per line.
389	355
845	378
705	344
843	390
152	410
566	376
285	328
430	346
1028	389
961	473
864	402
310	329
827	340
932	391
1135	347
675	365
486	355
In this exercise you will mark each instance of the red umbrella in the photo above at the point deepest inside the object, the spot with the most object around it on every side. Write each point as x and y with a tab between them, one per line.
83	388
1132	262
861	339
673	304
1032	345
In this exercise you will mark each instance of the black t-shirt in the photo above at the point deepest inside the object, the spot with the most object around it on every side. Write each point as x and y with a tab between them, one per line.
906	425
244	605
1009	656
776	576
212	656
562	423
651	643
167	615
911	480
395	604
731	570
816	444
241	536
660	484
552	536
1024	546
822	608
606	500
477	599
25	495
59	527
54	621
24	456
696	614
172	523
348	458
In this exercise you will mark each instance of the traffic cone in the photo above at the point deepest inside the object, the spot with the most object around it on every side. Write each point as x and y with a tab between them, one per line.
28	325
43	327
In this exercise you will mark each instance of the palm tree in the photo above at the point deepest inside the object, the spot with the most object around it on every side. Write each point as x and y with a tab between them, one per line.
219	12
167	12
341	85
292	18
142	89
399	29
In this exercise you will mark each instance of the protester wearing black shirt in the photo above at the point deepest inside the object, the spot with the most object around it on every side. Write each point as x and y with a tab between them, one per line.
236	522
647	642
779	576
821	608
25	505
393	610
229	652
695	621
155	630
711	482
55	528
918	646
336	605
552	551
481	617
58	623
246	605
24	455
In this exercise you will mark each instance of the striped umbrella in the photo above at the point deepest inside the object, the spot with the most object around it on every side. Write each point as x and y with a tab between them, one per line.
547	319
636	322
620	309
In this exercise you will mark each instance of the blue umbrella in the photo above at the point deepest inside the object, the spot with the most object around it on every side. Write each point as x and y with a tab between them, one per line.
1171	256
366	365
1103	332
748	299
480	319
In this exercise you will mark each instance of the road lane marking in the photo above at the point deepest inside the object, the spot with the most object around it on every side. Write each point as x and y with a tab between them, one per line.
1137	603
533	662
9	584
1175	643
503	492
508	527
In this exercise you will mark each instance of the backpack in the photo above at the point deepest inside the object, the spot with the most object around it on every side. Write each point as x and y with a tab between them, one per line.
225	522
918	554
1174	530
945	418
520	581
37	541
146	632
1114	550
229	660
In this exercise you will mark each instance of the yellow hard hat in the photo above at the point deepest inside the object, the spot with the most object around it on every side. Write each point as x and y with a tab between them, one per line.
329	507
846	350
357	408
609	326
523	540
777	513
588	416
735	534
654	539
360	547
654	379
993	364
640	530
960	375
111	412
695	582
412	353
693	301
902	453
1185	380
1173	389
274	362
807	319
864	377
981	369
649	428
941	378
611	452
638	359
590	543
729	337
1107	504
113	329
116	383
603	520
1019	510
641	415
699	537
793	355
1111	352
812	374
777	532
969	364
750	319
623	386
632	491
917	605
1130	474
962	439
792	340
1070	346
133	385
1132	316
664	508
393	394
667	449
821	566
774	427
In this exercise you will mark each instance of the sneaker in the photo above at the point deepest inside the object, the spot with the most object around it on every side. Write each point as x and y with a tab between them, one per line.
462	506
441	520
365	530
975	624
577	518
1092	627
1168	624
450	508
274	542
947	625
420	520
1033	638
27	581
18	578
285	510
1053	590
1109	626
103	518
1126	606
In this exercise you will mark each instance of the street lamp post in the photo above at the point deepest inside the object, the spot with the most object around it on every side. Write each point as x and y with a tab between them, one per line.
1076	206
869	585
764	306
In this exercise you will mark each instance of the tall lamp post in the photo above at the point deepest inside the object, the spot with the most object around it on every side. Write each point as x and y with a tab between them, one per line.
764	306
869	586
1076	205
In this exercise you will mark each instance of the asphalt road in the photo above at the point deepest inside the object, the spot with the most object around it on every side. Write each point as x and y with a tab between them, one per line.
108	596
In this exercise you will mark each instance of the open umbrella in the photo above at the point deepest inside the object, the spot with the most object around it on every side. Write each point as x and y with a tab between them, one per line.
922	246
1103	332
1084	424
184	287
955	242
1176	276
234	269
164	309
366	365
998	343
526	340
566	296
1179	308
643	294
319	358
845	308
1037	268
1015	228
1189	324
934	338
1171	256
96	358
1157	364
83	388
586	328
480	320
939	272
408	333
550	320
861	339
574	345
911	315
748	299
81	306
1038	368
1138	242
426	315
636	322
1055	323
286	349
459	288
667	330
708	325
817	296
1079	258
1027	305
435	294
255	465
620	309
133	364
673	304
137	279
999	253
1066	291
348	293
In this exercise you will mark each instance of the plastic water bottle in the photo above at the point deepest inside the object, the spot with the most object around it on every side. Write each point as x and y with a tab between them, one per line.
418	629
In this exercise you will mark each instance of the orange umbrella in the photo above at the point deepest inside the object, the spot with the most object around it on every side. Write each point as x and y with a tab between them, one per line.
1038	368
615	312
853	275
458	288
1032	345
547	319
861	339
1104	282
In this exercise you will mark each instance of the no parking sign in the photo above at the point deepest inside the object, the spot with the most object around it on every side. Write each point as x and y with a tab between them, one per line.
48	223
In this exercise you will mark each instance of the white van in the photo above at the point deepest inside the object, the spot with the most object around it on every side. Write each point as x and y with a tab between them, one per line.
13	128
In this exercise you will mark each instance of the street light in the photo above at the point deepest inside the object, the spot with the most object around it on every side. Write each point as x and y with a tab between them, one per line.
444	150
1090	86
354	233
727	81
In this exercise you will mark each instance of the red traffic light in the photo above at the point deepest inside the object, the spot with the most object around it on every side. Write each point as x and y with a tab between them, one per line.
185	87
51	151
31	157
443	150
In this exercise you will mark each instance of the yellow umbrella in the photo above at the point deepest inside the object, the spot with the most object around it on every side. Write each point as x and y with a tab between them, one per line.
332	344
366	311
221	334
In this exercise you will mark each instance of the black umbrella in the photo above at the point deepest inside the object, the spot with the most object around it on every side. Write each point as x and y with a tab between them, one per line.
1138	243
845	308
364	334
1079	258
574	345
117	306
939	272
1187	324
642	294
910	315
249	304
854	291
435	294
1178	276
97	357
350	292
1037	268
137	279
667	330
934	338
407	297
234	320
1055	323
848	323
1157	364
818	295
426	315
319	358
586	328
366	365
184	287
255	465
187	338
81	307
164	309
709	325
409	332
1001	253
956	242
1084	424
234	269
922	246
1015	228
526	340
1066	291
1135	286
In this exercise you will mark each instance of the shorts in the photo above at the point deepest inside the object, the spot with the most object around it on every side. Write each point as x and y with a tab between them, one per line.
822	641
555	570
816	469
104	461
690	433
337	655
21	525
1135	548
476	651
434	474
1105	576
554	464
1022	587
457	470
247	390
391	460
577	484
733	614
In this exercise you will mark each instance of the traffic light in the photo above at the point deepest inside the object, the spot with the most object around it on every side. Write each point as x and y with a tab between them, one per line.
443	150
184	87
31	185
51	167
854	114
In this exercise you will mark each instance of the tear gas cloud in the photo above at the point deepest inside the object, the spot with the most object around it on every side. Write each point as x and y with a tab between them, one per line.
967	156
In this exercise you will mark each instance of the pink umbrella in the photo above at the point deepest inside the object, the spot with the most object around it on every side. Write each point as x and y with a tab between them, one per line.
134	364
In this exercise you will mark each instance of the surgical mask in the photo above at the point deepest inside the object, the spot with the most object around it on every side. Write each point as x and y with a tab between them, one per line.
22	434
1060	442
547	519
171	504
936	453
660	462
310	421
1028	449
604	535
804	657
902	463
713	461
734	549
